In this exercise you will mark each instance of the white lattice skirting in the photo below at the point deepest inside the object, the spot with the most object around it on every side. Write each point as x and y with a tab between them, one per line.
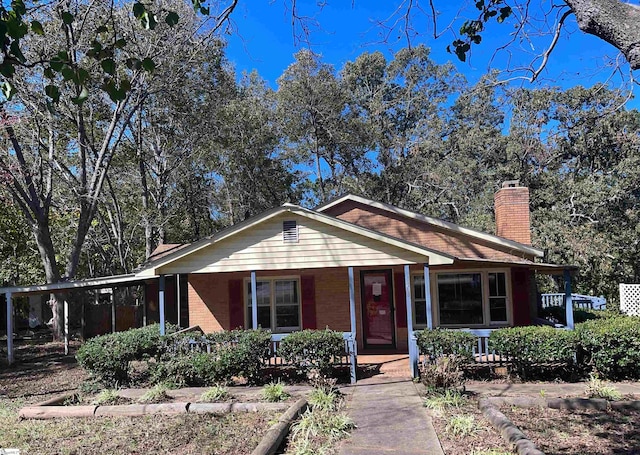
630	299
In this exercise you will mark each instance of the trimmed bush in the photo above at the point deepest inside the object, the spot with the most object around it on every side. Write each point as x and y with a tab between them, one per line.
535	349
611	347
446	342
312	350
558	313
186	360
107	357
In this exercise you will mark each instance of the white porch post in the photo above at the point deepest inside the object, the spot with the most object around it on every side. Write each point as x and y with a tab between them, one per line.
254	300
178	298
66	327
568	300
161	303
352	313
112	299
427	296
413	354
10	357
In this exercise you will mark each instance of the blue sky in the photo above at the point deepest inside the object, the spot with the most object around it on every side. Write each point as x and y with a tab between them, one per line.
264	41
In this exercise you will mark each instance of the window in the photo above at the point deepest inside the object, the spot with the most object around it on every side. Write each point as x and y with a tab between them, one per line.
497	297
419	302
278	304
460	298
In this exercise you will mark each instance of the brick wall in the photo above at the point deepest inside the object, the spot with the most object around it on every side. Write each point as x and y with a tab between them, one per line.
513	214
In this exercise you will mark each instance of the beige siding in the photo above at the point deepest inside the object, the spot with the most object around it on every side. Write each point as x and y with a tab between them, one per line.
320	245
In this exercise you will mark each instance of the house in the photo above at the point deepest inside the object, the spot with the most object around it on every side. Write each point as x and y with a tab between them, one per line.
371	270
360	266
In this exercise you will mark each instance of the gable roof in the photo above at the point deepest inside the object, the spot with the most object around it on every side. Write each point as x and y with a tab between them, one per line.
445	225
435	257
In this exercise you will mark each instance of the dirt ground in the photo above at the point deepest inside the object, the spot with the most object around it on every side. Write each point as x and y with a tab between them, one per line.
482	439
593	432
43	372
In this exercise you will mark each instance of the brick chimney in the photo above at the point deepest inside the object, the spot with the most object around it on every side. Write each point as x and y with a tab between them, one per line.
511	204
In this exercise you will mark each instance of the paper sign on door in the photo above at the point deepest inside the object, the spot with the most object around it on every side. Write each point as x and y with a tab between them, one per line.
376	289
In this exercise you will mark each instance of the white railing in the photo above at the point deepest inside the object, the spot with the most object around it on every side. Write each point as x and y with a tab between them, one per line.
348	357
582	302
480	351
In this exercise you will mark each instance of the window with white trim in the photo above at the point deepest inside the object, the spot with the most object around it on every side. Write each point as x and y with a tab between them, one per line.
278	304
497	297
419	302
465	298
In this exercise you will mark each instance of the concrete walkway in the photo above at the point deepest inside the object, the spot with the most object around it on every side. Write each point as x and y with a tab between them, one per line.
390	419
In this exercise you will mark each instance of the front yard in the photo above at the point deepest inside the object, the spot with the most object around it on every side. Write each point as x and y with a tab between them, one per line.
44	373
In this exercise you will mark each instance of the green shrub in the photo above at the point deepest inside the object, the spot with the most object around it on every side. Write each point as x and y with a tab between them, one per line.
533	350
156	394
446	342
107	357
611	347
231	353
312	350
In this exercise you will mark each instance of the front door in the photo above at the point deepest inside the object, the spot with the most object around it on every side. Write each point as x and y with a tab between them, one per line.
377	308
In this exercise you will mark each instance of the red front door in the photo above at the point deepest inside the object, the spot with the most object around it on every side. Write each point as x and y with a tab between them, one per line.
377	308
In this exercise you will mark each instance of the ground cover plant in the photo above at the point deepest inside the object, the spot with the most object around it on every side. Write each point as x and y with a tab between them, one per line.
321	427
461	427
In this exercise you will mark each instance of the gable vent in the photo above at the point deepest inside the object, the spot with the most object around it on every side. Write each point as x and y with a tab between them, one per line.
290	232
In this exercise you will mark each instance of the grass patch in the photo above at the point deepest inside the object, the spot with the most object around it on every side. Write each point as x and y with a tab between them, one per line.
157	394
441	401
214	394
106	397
596	388
274	392
490	452
460	425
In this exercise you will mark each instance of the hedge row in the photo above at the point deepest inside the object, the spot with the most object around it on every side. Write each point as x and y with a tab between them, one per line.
609	346
188	359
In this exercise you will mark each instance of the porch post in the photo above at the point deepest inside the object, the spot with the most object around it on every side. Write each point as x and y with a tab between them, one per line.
9	327
161	303
568	300
352	312
66	327
427	296
144	304
254	301
413	355
178	297
112	299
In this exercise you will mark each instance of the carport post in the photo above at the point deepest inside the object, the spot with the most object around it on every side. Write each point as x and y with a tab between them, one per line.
254	301
178	297
413	357
161	303
568	299
66	327
427	296
352	313
112	299
9	327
